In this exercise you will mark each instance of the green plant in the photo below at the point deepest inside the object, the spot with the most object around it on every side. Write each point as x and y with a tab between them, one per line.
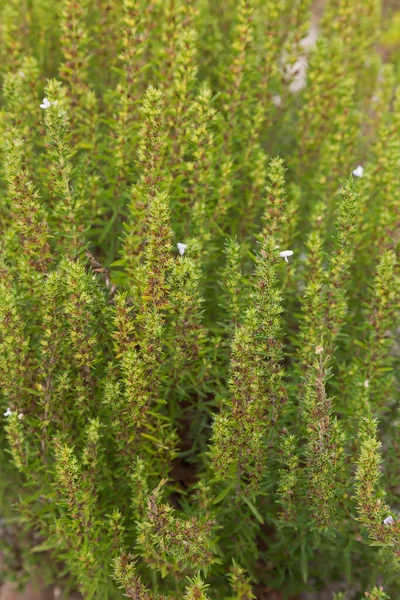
199	288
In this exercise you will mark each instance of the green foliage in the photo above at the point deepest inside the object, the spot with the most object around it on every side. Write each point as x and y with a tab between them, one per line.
199	290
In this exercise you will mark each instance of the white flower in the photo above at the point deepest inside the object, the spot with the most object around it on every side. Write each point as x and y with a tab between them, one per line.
8	412
21	416
388	521
359	171
46	104
181	248
277	100
319	350
285	254
366	383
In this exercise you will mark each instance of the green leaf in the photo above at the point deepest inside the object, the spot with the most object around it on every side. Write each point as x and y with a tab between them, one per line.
304	561
254	510
45	546
224	493
155	440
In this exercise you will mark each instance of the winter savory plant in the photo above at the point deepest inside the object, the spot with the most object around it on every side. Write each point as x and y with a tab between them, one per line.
199	290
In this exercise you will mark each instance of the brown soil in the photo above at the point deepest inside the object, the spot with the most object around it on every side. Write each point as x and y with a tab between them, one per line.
34	591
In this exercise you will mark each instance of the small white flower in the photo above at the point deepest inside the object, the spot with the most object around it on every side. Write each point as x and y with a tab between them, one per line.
277	100
359	171
21	416
388	521
8	412
285	254
366	383
46	104
181	248
319	350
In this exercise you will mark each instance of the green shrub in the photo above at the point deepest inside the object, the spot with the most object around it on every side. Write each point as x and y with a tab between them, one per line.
199	298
